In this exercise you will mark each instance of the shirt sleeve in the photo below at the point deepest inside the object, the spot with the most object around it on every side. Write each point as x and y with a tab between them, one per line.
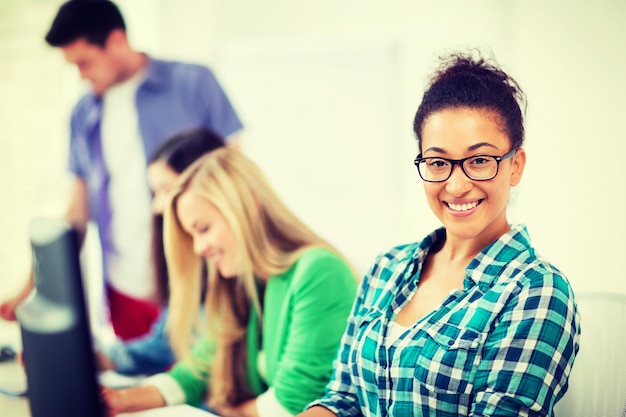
220	114
340	395
149	354
192	374
267	405
82	114
169	389
323	292
528	356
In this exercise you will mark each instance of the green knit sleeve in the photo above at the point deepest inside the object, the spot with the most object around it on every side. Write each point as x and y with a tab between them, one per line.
322	292
192	373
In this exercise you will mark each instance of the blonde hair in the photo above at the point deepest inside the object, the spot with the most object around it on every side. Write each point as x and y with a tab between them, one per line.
270	238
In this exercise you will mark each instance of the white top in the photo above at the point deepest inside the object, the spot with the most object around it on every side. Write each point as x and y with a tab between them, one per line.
394	332
129	269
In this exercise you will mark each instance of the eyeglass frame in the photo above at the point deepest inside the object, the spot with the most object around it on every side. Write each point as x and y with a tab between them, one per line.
418	159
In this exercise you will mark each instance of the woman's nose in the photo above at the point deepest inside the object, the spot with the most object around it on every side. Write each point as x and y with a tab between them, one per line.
200	247
458	183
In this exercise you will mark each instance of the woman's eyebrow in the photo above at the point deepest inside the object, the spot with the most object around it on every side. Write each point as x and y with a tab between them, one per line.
480	145
471	148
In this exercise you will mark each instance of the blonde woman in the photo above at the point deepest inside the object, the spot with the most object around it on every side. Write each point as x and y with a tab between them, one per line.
277	301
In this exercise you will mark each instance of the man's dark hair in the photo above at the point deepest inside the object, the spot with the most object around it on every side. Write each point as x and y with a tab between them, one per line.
92	20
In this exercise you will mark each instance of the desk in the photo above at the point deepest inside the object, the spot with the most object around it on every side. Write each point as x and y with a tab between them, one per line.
12	378
12	375
14	407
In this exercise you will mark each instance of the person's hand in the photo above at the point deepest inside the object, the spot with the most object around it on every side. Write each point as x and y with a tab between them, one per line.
131	399
7	308
112	400
229	412
103	362
245	409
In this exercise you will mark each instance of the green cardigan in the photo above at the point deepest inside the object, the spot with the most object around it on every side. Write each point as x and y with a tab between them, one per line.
305	313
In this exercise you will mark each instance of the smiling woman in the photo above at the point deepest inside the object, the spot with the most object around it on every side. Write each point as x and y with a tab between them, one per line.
471	201
471	320
212	237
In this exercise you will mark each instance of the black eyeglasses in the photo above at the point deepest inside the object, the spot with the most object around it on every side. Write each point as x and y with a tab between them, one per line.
477	167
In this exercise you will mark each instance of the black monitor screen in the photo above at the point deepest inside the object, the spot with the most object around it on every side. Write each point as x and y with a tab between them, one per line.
57	345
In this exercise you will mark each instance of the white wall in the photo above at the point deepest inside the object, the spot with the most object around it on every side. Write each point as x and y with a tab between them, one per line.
568	56
32	131
321	119
571	60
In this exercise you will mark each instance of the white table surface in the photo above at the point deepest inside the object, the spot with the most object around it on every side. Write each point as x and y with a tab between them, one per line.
12	375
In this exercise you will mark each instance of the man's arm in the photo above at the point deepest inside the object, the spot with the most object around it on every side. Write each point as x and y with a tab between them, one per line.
77	210
76	214
7	307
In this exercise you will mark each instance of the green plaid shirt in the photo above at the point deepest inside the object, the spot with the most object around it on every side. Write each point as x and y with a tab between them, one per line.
502	346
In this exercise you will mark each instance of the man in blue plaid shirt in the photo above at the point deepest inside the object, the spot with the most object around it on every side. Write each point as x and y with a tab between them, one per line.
470	321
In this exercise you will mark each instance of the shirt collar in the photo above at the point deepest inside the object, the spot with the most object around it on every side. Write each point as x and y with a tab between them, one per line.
155	73
414	256
428	242
491	261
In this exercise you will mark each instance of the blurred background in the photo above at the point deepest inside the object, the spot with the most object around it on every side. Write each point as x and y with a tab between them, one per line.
327	91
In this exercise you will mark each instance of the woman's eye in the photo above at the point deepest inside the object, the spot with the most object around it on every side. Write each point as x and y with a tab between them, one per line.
480	160
437	163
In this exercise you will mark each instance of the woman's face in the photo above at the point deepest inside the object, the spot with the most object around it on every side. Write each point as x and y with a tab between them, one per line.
161	179
212	236
469	209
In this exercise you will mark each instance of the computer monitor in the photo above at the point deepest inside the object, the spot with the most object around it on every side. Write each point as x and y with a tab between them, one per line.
57	345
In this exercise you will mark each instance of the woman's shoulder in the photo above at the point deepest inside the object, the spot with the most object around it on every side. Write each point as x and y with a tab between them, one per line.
513	258
537	271
400	253
527	269
395	259
322	264
316	255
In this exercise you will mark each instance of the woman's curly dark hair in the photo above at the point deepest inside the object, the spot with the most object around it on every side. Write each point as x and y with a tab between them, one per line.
469	80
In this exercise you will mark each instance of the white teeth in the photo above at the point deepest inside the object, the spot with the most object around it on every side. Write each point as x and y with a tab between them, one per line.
462	207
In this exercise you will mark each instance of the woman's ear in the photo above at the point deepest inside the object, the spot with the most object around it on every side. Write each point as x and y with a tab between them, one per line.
517	166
